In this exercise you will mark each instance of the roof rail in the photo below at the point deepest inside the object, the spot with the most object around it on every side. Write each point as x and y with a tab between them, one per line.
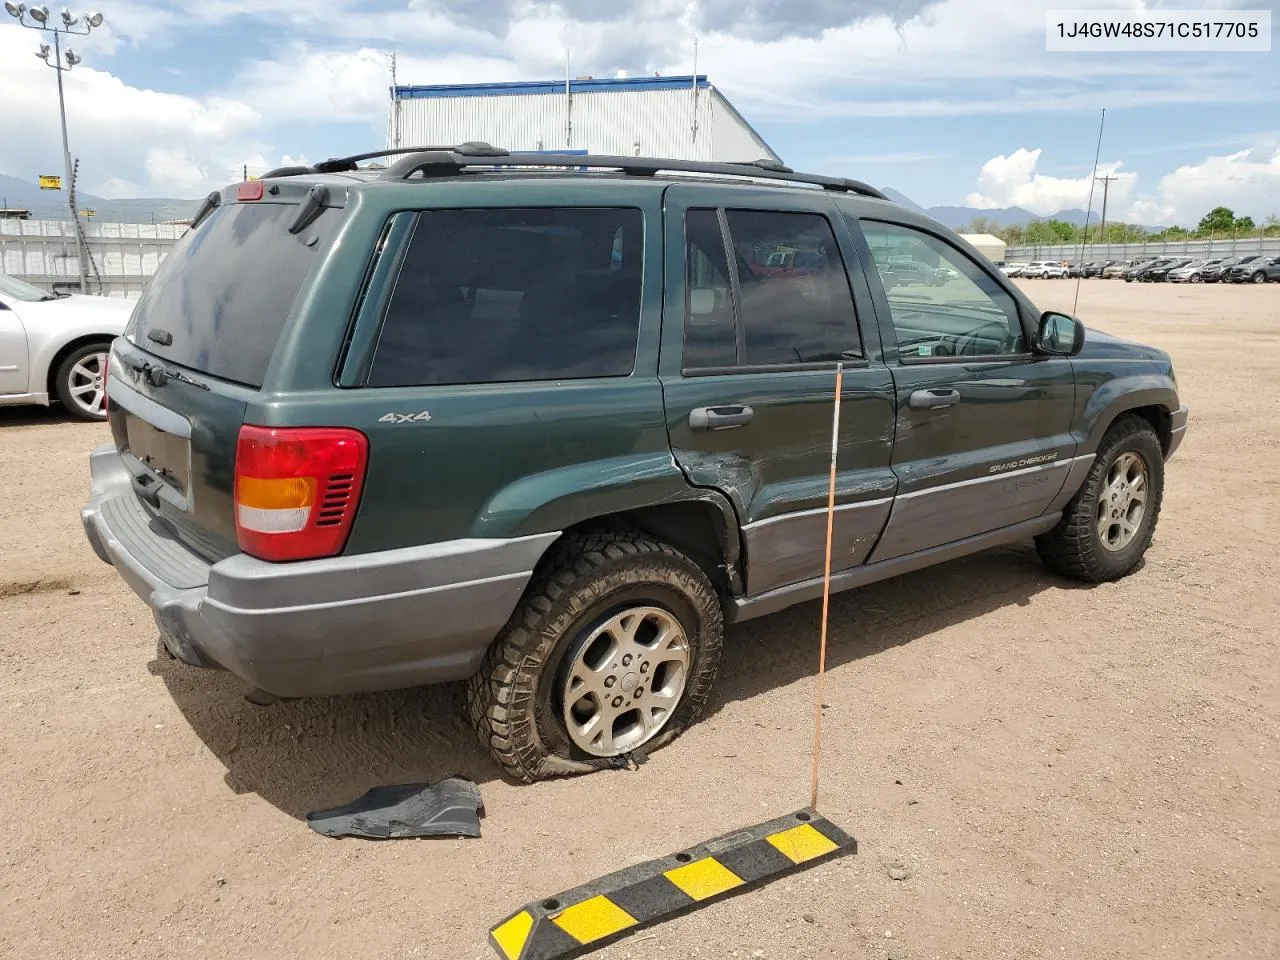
347	164
449	161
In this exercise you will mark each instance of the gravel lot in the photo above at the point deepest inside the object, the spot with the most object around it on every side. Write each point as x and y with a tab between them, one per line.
1064	772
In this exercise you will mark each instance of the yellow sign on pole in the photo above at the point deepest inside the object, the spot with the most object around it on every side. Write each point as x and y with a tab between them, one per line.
88	213
50	182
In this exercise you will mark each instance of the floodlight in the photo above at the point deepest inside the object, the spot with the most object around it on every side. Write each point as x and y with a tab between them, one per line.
69	19
44	52
15	9
73	58
93	19
39	14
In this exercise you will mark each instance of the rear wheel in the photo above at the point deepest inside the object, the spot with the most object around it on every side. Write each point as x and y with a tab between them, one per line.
1106	528
614	650
80	382
1259	277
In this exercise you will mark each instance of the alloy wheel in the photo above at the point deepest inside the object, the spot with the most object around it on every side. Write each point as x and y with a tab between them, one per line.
86	386
1122	503
625	681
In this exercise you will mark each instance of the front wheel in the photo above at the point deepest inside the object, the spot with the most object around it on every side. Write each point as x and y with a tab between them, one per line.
80	382
1196	278
1108	525
615	649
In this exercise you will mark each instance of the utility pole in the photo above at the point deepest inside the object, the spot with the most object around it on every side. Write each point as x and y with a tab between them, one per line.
40	18
1106	188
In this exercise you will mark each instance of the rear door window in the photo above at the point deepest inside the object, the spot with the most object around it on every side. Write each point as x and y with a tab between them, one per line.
225	291
503	295
783	300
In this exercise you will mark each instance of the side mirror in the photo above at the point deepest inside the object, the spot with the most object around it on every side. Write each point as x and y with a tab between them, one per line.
1059	335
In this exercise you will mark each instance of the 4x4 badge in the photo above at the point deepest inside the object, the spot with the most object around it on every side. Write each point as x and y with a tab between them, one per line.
422	417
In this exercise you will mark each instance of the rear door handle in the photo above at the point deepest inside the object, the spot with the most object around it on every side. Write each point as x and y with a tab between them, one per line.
934	398
720	418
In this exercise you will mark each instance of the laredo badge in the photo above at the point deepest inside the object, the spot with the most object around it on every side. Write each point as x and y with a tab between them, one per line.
422	417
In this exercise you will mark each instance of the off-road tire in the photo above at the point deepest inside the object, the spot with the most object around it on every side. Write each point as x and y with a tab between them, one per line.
511	701
1073	548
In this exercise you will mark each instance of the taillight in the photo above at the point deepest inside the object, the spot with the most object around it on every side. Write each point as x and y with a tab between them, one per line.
297	489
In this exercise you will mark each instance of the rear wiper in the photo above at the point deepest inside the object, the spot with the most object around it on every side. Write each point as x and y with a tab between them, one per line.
158	375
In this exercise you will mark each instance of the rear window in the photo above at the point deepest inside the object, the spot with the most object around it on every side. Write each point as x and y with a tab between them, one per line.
225	291
502	295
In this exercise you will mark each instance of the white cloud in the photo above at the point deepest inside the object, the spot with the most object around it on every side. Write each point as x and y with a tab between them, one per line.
130	141
1012	181
1247	181
957	57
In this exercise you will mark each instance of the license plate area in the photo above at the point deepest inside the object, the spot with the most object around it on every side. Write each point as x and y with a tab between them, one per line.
164	454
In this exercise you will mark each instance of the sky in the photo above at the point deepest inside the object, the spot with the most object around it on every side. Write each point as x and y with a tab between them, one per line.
948	101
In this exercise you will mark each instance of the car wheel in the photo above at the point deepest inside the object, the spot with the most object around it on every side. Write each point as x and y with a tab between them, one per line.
1259	277
80	382
1195	278
614	649
1106	528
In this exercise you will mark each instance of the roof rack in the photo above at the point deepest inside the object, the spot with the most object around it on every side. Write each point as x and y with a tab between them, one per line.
348	164
450	161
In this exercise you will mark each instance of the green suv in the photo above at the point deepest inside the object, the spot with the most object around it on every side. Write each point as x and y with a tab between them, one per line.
545	423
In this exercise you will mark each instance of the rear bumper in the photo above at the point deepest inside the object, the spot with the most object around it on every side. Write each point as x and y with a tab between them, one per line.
350	624
1177	429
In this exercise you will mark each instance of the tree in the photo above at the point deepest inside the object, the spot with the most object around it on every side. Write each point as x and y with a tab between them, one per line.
1218	220
981	225
1245	224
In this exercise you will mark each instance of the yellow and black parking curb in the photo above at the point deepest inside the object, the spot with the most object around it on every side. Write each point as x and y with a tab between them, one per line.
587	917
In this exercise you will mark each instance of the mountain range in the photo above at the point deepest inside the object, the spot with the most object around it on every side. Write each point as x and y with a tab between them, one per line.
52	205
960	217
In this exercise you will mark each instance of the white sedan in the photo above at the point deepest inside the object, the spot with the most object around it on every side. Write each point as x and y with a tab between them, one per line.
53	348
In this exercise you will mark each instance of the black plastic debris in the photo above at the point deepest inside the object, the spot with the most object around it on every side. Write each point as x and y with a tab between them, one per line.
450	808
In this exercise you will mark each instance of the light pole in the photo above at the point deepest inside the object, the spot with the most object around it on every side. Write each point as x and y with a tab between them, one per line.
39	18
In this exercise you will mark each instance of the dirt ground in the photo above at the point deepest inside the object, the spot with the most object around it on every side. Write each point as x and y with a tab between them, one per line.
1064	772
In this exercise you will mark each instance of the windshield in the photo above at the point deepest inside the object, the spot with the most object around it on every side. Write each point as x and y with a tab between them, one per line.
20	290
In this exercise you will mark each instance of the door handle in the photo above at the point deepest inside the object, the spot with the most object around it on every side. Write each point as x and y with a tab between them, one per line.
720	418
934	398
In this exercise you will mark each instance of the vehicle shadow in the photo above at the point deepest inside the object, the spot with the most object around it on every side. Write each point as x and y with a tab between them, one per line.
773	651
35	416
306	755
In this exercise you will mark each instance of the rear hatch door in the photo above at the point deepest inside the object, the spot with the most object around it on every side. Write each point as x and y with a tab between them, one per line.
195	354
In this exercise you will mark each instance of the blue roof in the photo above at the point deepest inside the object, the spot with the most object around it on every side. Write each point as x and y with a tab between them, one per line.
523	88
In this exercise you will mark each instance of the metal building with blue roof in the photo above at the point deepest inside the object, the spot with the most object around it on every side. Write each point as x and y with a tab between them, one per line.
684	118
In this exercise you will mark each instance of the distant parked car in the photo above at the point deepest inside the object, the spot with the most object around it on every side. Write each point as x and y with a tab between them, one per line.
53	347
946	274
1140	270
1116	269
1161	273
1013	269
1190	273
1213	272
1255	269
906	274
1045	270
